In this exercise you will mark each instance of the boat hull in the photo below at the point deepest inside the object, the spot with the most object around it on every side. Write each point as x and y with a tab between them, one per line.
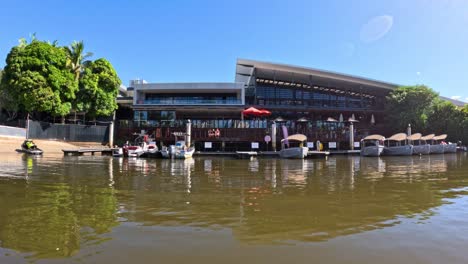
118	152
184	154
294	153
406	150
165	153
31	151
422	149
450	148
135	152
372	151
437	149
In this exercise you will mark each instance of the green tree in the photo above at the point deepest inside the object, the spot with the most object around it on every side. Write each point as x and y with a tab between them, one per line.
37	78
446	118
409	105
99	86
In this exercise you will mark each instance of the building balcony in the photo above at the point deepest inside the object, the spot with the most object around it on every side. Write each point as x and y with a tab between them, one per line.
188	102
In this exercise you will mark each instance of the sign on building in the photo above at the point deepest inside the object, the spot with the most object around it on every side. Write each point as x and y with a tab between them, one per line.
332	145
310	145
208	145
255	145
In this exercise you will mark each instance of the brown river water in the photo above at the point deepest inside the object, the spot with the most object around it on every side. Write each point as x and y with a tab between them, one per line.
344	209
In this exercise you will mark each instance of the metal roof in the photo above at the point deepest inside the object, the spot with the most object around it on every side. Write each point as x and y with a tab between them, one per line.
245	70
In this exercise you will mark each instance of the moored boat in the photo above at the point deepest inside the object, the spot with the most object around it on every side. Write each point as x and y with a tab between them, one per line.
394	147
420	145
371	146
134	151
436	146
450	148
151	148
181	151
117	152
299	152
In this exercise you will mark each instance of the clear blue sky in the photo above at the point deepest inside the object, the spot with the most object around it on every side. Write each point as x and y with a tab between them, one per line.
399	41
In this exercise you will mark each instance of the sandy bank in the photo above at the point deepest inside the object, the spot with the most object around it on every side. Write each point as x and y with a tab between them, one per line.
10	144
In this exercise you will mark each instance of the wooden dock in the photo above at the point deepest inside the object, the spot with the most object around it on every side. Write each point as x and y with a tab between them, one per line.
246	154
317	154
345	152
82	151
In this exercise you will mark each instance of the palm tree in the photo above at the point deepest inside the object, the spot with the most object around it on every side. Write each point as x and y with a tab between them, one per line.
77	58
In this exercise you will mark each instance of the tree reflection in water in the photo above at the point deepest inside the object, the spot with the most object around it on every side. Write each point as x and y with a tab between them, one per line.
49	216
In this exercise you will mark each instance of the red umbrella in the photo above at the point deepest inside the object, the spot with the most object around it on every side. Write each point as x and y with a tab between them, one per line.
252	111
265	112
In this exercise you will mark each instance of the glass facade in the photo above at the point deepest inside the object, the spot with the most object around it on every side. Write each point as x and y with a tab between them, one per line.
191	99
270	95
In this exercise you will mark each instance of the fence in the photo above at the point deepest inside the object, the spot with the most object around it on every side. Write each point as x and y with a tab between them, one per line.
68	132
12	131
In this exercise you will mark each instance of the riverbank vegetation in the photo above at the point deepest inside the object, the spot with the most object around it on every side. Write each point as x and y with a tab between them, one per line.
44	78
427	113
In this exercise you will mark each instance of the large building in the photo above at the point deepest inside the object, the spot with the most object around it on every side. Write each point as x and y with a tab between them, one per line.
313	102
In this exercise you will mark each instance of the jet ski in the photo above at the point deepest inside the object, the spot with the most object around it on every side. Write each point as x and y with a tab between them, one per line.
30	148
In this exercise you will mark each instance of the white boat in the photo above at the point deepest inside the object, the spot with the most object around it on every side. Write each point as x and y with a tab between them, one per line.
437	147
420	146
371	146
117	152
181	151
151	148
299	152
134	151
450	148
424	149
393	146
168	152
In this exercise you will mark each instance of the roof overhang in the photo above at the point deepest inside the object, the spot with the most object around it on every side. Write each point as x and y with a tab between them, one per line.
189	87
247	70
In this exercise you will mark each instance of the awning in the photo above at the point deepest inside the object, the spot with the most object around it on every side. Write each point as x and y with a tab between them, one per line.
331	119
416	136
398	137
297	137
374	137
428	137
441	137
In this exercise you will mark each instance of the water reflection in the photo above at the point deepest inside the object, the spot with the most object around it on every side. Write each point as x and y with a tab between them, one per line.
53	207
51	216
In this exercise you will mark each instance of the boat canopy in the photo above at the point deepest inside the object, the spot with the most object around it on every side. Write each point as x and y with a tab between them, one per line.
428	137
416	136
374	137
441	137
297	137
398	137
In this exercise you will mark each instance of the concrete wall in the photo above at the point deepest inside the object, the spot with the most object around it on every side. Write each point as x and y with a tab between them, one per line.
12	131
